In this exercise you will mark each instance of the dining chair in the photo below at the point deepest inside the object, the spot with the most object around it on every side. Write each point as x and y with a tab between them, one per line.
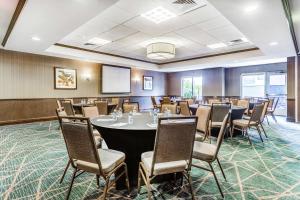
85	157
245	124
154	104
245	104
92	100
233	101
72	100
172	152
68	107
263	115
190	101
203	114
171	107
130	106
209	152
91	112
166	100
211	101
115	100
58	104
218	112
102	107
184	108
98	139
271	108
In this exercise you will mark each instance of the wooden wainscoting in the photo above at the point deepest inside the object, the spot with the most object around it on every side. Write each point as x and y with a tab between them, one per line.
291	115
27	110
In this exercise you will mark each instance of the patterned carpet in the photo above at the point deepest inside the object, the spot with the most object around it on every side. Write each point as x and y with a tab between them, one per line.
33	156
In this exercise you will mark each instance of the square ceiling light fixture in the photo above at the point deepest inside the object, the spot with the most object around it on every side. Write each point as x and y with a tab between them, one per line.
217	45
158	15
98	41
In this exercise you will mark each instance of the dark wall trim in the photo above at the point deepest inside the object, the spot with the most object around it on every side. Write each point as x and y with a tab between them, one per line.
99	52
22	121
175	61
288	14
213	55
13	20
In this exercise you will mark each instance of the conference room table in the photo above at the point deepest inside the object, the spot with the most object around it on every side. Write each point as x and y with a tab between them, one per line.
131	139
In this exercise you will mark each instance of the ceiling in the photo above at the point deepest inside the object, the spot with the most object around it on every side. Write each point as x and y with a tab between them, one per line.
72	23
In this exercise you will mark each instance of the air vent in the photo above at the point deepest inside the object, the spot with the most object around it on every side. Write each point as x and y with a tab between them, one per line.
184	2
89	44
237	42
181	7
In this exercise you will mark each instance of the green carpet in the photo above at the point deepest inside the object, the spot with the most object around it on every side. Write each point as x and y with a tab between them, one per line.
33	156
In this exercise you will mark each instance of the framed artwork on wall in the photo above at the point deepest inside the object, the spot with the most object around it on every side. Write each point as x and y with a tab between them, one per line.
65	79
148	83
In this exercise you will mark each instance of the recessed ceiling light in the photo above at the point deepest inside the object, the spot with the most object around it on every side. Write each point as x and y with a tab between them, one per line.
158	15
216	45
244	39
250	8
273	43
35	38
98	41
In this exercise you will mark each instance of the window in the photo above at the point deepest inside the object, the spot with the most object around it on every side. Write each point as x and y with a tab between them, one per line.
253	85
191	87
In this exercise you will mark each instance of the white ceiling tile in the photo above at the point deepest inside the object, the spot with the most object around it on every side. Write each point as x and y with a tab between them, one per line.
226	34
214	23
195	34
202	14
117	33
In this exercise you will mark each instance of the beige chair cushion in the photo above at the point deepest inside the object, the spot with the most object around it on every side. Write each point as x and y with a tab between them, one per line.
204	151
199	136
163	168
242	122
215	124
109	159
96	133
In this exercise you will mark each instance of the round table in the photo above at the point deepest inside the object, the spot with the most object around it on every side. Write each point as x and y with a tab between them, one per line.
78	107
131	139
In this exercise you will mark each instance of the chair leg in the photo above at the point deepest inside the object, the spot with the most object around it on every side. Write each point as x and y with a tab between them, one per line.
105	188
259	133
262	127
216	179
246	133
221	168
127	179
97	179
139	180
191	186
71	184
274	118
148	188
267	120
209	134
65	171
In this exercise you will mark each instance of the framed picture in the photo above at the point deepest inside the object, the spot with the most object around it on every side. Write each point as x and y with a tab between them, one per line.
148	82
65	79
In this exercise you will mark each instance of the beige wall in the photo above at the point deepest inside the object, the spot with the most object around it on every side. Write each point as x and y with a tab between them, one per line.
24	75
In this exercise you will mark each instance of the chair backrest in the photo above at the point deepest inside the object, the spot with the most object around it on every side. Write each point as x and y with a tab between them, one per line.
211	101
174	140
184	108
115	100
102	107
68	106
90	112
265	109
234	102
58	104
190	101
80	142
171	107
243	103
91	100
72	101
219	111
60	113
256	113
154	104
129	106
203	114
274	104
166	100
221	134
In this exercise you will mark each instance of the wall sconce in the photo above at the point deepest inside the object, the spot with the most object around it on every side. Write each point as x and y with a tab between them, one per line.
87	76
136	79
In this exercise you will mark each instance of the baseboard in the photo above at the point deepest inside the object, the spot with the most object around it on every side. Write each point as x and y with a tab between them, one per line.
22	121
290	119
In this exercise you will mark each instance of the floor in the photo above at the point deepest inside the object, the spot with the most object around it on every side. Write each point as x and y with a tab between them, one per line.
33	156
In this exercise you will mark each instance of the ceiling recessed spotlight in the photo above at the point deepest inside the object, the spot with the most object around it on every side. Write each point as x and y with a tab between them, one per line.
35	38
98	41
250	8
216	45
273	43
158	15
244	39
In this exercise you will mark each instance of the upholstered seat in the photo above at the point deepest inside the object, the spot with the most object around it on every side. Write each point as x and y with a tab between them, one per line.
242	122
200	136
204	151
216	124
109	160
162	168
